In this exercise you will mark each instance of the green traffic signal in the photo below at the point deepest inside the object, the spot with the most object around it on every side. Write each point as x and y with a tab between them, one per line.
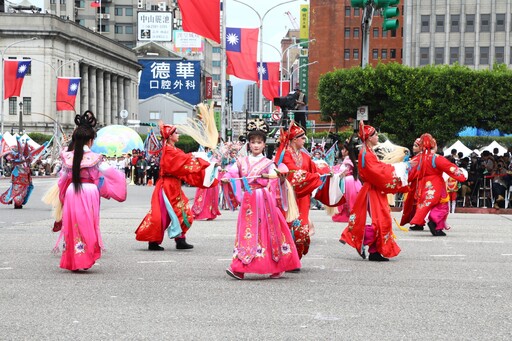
358	3
388	13
381	3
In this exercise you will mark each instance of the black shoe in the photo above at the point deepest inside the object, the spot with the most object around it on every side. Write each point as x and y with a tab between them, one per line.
416	228
18	207
153	246
432	226
181	244
440	233
377	257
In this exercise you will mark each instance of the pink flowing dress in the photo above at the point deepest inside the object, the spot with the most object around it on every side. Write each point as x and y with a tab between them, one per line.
206	203
263	244
81	211
352	187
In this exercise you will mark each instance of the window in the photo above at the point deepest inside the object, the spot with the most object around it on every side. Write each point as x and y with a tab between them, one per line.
216	77
216	63
118	11
470	23
392	53
347	54
347	32
128	29
469	56
154	115
384	34
499	54
375	32
356	54
118	29
216	50
128	12
455	23
439	23
393	33
63	2
484	55
425	23
13	103
27	105
485	23
384	54
375	54
347	11
500	22
454	55
439	55
52	2
424	55
356	33
356	12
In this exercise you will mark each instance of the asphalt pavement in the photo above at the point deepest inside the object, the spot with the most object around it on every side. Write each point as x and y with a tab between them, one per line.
439	288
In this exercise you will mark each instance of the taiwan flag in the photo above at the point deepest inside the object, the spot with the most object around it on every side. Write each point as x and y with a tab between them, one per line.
201	17
14	73
270	79
96	3
241	52
67	89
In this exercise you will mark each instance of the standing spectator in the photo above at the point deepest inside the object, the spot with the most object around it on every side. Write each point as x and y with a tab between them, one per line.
299	113
499	184
127	163
142	166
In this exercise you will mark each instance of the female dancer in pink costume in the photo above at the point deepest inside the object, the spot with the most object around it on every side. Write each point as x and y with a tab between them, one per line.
83	179
264	244
206	200
352	183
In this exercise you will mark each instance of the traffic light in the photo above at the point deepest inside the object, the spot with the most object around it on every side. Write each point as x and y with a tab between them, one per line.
358	3
389	13
381	3
147	124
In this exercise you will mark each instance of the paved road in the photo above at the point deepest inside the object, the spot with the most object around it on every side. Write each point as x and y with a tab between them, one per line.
452	288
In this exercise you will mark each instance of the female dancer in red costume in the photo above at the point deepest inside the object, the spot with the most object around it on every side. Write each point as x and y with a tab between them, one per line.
378	179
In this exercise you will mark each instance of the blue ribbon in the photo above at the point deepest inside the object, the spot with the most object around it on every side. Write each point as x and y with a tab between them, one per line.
246	185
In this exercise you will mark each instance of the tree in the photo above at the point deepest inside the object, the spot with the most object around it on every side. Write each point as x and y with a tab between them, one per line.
406	102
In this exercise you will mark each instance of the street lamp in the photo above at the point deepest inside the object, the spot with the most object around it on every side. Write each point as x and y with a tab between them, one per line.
21	118
262	18
2	87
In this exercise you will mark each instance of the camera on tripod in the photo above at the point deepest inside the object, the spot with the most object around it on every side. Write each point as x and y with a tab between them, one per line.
287	102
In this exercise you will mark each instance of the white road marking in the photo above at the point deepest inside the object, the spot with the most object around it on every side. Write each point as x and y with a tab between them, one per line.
155	261
447	255
506	254
486	241
224	259
5	268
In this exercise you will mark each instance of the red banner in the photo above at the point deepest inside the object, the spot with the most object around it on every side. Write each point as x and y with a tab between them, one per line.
208	87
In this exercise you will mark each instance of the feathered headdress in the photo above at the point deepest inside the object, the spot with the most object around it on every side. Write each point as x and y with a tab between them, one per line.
202	129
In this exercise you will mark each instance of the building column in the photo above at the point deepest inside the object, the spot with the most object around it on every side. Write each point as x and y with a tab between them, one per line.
84	88
127	96
114	96
108	98
120	94
101	94
92	90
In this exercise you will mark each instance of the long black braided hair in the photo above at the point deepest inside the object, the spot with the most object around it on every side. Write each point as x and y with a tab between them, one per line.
83	133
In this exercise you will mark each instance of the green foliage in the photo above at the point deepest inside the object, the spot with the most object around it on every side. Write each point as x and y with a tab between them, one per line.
407	102
39	137
187	144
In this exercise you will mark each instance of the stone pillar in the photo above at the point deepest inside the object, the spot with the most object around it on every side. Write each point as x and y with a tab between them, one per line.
108	98
92	90
120	98
114	96
101	95
84	91
128	95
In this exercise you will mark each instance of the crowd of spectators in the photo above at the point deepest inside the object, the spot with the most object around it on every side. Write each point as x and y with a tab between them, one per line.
489	178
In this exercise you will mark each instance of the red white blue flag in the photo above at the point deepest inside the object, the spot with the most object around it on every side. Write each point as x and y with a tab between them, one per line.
96	3
14	73
241	52
67	88
270	79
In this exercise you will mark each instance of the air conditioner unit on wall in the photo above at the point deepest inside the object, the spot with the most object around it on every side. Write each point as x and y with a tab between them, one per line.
103	16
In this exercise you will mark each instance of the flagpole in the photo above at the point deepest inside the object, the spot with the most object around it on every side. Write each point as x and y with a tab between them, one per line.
262	18
223	73
100	17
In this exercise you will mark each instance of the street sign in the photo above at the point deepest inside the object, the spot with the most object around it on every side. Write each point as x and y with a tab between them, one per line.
123	114
362	113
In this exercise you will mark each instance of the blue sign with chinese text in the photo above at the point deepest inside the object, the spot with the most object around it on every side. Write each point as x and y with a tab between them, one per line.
181	78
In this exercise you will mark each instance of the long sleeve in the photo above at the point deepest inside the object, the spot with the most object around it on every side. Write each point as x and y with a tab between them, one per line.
113	184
